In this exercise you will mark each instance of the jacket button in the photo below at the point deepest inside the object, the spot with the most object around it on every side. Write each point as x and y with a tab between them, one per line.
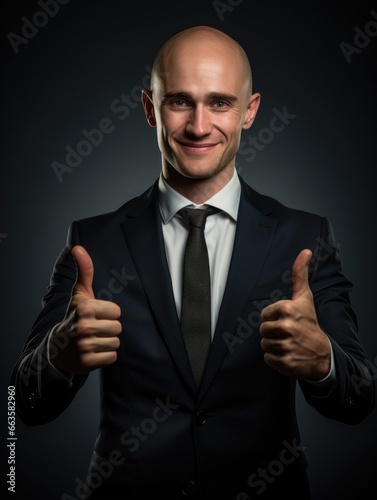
33	398
188	489
349	401
201	417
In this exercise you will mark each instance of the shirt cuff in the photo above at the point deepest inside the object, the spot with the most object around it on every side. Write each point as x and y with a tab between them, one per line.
327	382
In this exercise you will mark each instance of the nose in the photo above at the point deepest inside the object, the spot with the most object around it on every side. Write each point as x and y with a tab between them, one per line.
199	122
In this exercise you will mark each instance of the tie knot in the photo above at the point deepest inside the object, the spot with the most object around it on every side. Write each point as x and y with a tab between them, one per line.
197	217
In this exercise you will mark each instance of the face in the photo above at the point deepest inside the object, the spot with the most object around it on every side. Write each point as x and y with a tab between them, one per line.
200	105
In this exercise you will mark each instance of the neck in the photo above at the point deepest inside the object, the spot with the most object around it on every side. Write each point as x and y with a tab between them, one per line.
197	190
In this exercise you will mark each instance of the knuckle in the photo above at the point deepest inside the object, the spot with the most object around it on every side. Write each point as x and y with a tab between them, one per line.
285	361
262	329
84	346
83	328
286	308
285	325
113	356
84	308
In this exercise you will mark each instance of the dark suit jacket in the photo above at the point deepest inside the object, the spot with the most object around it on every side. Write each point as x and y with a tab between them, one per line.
237	436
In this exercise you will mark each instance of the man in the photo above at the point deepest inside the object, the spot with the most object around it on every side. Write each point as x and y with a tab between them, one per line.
183	413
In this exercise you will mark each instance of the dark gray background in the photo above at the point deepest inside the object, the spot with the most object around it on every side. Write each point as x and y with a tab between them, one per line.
67	77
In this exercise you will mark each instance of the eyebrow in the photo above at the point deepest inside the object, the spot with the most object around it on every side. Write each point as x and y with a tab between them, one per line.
212	95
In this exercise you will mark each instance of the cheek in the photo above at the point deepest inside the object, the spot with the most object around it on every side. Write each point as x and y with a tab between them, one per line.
230	124
171	121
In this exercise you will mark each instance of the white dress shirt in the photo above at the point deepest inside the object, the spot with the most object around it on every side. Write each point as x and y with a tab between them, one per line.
219	237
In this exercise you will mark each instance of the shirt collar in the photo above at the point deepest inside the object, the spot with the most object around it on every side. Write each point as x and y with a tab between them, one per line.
227	199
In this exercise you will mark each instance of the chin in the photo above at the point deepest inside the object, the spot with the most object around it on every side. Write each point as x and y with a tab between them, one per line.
199	172
197	176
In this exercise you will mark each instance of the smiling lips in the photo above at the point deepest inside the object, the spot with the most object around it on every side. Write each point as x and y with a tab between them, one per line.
195	148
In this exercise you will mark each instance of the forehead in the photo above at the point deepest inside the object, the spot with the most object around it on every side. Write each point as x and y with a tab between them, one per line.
209	64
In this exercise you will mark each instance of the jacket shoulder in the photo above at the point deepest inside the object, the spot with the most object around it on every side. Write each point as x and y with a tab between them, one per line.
129	208
272	206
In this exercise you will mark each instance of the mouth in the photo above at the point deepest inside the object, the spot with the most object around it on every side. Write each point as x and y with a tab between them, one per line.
195	148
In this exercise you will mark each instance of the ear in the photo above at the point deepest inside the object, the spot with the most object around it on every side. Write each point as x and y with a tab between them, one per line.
146	97
251	110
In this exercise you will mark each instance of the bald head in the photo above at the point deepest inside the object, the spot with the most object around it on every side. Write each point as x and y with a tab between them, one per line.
201	42
200	101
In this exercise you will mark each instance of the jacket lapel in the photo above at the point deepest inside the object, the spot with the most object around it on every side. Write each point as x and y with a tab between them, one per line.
144	238
254	234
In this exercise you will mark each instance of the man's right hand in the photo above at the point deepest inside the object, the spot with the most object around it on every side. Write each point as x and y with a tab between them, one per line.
88	337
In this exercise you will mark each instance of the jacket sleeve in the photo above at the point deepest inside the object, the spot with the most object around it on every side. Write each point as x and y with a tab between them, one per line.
351	397
41	394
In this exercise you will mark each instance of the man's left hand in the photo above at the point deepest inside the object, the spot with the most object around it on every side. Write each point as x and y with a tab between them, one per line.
292	339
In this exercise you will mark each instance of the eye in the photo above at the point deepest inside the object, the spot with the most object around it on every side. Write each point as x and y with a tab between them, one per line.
179	103
220	104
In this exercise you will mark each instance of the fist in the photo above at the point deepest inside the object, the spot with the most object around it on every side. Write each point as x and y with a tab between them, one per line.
91	327
292	339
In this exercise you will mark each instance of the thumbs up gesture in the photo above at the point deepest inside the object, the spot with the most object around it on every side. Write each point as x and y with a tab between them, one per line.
88	337
292	339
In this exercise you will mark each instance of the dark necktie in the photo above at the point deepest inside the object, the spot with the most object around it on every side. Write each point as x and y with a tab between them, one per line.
196	296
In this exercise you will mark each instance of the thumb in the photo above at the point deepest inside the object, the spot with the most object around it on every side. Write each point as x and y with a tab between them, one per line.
84	271
300	274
